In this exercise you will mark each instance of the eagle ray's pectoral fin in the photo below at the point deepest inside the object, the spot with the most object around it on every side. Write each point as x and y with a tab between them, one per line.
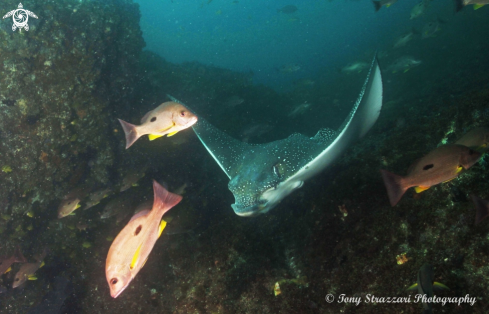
225	150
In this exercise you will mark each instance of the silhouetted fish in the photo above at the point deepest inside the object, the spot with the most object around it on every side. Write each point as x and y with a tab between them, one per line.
426	284
381	3
481	209
477	139
288	9
6	262
460	4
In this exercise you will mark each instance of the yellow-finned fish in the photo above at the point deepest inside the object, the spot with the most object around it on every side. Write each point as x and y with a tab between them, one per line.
460	4
6	262
442	164
71	201
167	119
27	270
477	139
132	246
426	285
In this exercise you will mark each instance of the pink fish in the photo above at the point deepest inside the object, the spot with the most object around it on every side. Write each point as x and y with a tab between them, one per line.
132	246
6	262
167	119
442	164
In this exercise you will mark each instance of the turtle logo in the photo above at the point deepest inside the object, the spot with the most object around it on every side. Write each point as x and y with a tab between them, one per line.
20	18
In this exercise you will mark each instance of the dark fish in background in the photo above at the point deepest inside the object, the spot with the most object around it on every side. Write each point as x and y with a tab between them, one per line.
289	68
71	201
53	301
419	9
481	209
233	101
95	197
402	40
357	66
404	64
122	203
131	179
300	109
442	164
288	9
477	139
426	285
379	4
6	262
68	206
431	28
460	4
27	270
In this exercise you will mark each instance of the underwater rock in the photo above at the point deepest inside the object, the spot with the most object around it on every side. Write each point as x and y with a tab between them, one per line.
57	84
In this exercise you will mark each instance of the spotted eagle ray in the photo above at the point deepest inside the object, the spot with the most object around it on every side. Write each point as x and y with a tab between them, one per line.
261	175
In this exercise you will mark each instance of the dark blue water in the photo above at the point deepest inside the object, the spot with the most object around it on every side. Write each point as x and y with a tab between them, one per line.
320	36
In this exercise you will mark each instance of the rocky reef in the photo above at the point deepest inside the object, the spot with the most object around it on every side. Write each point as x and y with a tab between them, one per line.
58	83
80	66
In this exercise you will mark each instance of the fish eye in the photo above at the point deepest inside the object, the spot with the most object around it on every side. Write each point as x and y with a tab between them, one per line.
182	113
153	119
428	167
138	230
114	281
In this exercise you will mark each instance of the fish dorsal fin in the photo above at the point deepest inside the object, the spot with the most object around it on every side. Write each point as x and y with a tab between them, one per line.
226	151
135	258
140	214
325	135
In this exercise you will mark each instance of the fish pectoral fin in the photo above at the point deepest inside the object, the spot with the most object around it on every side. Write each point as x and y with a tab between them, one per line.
161	228
460	168
405	71
437	286
71	214
77	206
172	133
42	264
478	6
153	136
31	277
9	269
413	287
421	188
387	5
135	258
